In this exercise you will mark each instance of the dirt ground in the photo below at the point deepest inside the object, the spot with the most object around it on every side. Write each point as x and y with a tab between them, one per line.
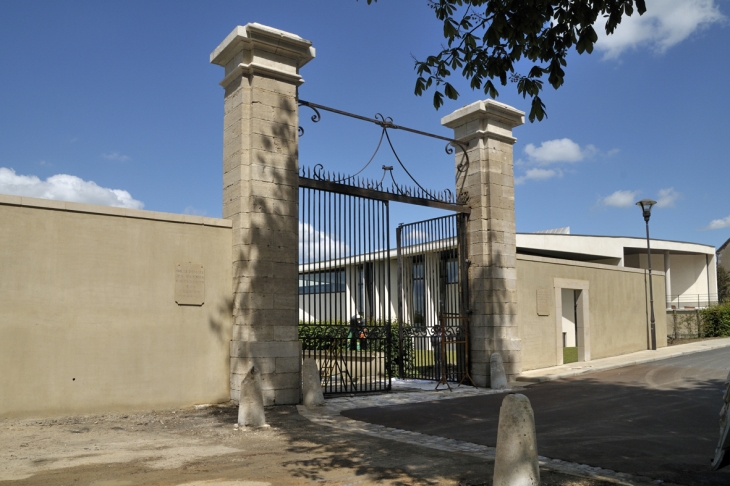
202	447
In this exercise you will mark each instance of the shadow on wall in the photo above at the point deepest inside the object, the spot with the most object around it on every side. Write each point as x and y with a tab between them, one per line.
493	305
217	324
265	250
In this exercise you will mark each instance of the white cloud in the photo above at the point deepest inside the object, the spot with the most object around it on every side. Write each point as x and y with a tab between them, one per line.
559	150
116	156
315	245
537	175
719	223
64	187
667	197
619	199
664	24
414	236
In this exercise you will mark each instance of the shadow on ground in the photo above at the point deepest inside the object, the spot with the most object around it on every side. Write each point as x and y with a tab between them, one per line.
655	420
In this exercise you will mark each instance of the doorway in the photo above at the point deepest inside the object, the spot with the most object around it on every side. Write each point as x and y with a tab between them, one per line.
572	321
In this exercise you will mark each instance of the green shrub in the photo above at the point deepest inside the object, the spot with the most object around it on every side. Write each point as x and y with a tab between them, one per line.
332	335
716	320
322	335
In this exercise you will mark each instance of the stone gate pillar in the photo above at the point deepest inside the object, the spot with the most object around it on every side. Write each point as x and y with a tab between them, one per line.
485	127
260	196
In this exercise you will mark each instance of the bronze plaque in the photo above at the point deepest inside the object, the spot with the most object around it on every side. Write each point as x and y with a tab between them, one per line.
543	302
189	284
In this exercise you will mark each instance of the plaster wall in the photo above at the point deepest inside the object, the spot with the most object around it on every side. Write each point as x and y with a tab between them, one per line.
689	275
88	317
617	309
609	247
688	272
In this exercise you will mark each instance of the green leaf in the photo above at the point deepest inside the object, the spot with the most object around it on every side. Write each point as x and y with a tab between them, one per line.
420	86
438	99
450	92
487	38
537	110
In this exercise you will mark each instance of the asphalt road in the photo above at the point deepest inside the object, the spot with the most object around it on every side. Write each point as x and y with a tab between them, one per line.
658	420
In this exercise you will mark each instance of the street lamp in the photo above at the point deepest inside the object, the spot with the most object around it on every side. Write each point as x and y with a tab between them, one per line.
646	205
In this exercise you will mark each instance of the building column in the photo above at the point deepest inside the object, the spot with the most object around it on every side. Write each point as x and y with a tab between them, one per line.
668	277
485	127
712	294
260	196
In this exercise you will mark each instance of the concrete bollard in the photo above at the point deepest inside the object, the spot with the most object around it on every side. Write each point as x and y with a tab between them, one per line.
515	463
251	401
497	375
311	386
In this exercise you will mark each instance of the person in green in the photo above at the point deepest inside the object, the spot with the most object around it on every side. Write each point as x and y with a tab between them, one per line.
358	332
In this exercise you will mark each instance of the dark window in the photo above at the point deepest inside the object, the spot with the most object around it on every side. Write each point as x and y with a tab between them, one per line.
419	291
326	282
365	289
452	266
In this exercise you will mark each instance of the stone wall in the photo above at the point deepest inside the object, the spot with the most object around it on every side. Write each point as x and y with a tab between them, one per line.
89	318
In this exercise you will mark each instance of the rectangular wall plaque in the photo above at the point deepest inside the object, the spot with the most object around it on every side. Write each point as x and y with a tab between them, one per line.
543	302
189	284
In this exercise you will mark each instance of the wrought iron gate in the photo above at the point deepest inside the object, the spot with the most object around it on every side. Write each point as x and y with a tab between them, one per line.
344	289
433	299
351	284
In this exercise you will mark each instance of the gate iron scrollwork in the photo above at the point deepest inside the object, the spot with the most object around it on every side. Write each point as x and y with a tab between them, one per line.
354	180
346	294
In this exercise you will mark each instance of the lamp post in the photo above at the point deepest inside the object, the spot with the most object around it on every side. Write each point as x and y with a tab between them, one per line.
646	205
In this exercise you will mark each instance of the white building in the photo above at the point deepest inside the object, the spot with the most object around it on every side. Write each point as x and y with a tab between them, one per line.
690	268
338	289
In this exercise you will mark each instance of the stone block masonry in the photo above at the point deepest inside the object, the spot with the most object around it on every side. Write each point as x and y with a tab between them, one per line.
260	197
485	128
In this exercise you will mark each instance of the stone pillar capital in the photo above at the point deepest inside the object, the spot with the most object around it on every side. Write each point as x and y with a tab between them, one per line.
484	119
258	49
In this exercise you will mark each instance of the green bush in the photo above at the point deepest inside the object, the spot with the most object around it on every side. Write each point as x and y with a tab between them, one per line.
330	335
716	320
322	335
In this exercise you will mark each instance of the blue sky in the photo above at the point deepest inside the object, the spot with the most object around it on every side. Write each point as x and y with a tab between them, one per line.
121	94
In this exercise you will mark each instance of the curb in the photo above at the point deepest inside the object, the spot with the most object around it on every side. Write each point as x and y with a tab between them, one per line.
592	368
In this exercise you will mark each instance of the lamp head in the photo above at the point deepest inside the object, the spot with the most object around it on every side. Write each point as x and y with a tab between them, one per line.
646	205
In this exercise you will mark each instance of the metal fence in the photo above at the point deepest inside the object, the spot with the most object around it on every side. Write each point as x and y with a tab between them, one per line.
351	358
691	301
686	324
431	284
344	289
345	302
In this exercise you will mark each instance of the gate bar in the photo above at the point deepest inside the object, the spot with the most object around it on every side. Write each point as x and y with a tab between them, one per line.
384	123
380	195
